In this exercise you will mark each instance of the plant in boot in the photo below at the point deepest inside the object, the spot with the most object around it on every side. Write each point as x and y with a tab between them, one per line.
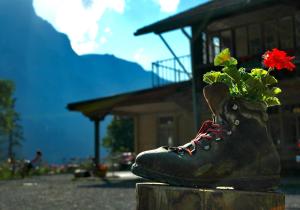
232	150
256	85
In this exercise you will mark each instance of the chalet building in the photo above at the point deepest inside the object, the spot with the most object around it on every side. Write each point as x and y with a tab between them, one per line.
171	111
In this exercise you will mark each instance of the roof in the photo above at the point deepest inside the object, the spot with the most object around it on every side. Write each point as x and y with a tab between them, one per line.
205	13
101	106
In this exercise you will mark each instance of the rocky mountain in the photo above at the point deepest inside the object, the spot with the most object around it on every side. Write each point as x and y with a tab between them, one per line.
48	75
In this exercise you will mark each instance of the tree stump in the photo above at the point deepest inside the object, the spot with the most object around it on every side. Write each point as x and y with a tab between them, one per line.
157	196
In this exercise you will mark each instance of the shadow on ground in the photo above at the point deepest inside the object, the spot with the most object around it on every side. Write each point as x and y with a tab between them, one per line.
289	189
105	183
290	185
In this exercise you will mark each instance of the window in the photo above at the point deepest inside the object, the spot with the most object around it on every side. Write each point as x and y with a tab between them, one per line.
270	35
204	46
255	40
241	42
214	47
297	25
226	40
286	33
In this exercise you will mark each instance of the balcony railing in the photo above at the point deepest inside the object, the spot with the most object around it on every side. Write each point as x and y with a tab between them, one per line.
170	71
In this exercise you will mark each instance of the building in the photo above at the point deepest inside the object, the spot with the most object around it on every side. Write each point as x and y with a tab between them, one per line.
170	113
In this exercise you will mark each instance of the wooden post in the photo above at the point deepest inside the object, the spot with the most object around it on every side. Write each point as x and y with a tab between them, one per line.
158	196
97	141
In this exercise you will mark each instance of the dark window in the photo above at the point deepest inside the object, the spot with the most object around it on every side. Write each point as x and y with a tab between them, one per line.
270	35
166	131
286	33
241	42
226	40
204	48
255	40
297	25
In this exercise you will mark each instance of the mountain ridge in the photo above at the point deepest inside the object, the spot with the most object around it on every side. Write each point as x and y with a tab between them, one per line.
48	75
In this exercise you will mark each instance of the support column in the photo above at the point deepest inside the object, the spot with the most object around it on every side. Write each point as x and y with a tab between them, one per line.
97	141
196	47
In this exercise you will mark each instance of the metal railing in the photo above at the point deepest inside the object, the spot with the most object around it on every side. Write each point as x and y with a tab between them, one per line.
169	71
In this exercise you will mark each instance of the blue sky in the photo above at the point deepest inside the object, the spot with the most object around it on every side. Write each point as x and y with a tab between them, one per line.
107	26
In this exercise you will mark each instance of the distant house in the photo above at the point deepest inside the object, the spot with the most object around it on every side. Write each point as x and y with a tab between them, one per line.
166	114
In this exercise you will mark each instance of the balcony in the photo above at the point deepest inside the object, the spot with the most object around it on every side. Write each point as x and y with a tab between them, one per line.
171	71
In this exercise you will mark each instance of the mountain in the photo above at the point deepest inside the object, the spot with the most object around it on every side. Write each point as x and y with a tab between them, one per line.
48	75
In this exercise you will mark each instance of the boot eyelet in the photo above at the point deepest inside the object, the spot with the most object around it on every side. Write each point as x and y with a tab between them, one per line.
229	133
206	147
236	122
234	107
180	151
218	139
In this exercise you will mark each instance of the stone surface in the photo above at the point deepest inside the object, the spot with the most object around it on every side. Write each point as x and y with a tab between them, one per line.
164	197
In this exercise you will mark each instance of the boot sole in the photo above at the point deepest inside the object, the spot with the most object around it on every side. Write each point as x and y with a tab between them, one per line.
257	183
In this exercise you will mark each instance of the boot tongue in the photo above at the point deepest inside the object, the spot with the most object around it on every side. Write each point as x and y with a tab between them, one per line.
215	96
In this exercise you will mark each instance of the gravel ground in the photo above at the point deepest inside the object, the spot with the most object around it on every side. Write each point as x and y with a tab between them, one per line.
61	192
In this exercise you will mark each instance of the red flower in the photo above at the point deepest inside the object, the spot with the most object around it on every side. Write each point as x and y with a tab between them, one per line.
278	59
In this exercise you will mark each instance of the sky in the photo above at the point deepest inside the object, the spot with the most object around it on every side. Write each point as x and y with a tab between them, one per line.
107	26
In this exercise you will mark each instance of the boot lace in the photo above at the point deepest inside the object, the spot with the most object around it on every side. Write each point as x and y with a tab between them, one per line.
208	131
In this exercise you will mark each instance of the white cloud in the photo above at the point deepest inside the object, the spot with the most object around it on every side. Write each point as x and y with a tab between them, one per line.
138	54
107	30
103	40
168	5
78	21
140	57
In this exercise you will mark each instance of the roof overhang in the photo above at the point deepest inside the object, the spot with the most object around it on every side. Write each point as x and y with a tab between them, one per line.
206	13
98	108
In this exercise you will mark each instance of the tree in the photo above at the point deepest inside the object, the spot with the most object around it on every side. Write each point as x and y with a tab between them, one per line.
119	137
10	129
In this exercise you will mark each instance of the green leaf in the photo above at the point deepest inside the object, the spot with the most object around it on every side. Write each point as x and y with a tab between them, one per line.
258	72
225	78
244	74
211	77
271	92
254	88
242	70
232	62
233	73
269	80
253	83
224	59
276	90
272	101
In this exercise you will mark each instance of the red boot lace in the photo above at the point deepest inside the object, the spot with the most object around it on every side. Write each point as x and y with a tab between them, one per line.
207	128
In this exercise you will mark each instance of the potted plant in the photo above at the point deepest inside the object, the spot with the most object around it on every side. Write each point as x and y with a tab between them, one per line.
258	85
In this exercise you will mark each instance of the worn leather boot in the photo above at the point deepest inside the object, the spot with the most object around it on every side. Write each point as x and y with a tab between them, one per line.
233	150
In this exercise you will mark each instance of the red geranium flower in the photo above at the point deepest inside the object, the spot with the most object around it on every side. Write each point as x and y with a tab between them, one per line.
278	59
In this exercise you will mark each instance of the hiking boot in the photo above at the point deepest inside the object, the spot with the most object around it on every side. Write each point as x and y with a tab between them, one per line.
234	149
